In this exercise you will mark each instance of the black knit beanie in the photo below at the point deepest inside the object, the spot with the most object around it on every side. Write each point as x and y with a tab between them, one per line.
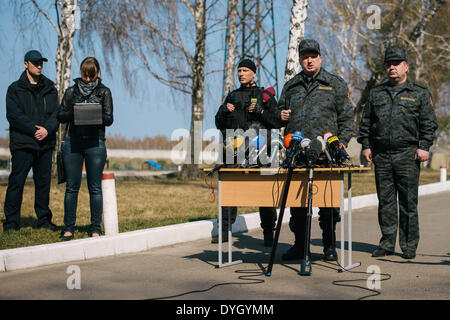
247	63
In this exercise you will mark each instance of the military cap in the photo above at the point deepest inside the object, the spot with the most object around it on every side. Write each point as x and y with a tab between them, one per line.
395	53
34	55
308	45
247	63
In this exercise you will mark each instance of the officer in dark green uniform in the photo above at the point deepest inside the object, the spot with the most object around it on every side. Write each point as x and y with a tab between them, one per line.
243	109
396	132
315	101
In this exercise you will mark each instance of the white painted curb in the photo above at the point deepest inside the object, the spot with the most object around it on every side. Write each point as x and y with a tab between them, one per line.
141	240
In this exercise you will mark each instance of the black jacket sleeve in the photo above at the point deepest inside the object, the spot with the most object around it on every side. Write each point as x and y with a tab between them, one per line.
107	108
51	125
428	122
17	119
65	113
222	114
364	126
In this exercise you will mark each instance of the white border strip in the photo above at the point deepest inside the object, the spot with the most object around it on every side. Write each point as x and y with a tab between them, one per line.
141	240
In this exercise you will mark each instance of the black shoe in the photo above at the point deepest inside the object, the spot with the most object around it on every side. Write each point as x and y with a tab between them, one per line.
268	238
66	238
294	253
380	252
47	225
11	229
330	254
215	239
408	255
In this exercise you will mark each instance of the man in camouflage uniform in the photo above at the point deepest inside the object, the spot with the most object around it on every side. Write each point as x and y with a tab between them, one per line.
315	101
239	112
397	130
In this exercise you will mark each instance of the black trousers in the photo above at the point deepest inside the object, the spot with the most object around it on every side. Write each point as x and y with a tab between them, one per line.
328	217
268	216
21	163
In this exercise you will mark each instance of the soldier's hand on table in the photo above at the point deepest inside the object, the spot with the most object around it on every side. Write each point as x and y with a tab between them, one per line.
285	114
230	107
367	154
421	155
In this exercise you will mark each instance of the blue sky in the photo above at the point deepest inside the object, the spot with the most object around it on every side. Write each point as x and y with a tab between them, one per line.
152	110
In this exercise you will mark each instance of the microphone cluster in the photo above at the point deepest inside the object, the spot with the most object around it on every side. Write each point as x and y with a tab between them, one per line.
301	151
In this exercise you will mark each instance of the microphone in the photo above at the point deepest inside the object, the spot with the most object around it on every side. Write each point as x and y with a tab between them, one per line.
258	141
305	143
293	148
313	151
324	148
287	140
337	151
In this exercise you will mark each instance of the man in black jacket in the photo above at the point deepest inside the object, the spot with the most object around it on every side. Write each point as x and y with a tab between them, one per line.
31	108
248	107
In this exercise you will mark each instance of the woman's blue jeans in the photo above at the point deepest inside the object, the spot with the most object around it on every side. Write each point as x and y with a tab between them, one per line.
93	151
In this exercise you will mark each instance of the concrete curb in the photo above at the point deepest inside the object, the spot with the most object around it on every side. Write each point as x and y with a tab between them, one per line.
141	240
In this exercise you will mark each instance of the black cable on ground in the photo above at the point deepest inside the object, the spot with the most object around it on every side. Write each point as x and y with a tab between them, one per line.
342	283
248	276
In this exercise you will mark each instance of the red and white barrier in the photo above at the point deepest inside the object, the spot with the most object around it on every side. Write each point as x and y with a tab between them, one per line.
110	217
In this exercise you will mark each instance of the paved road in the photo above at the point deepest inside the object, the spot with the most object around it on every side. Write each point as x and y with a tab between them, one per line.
188	271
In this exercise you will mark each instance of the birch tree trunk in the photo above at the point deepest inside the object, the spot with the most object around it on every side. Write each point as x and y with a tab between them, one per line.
190	169
65	29
64	52
231	44
296	34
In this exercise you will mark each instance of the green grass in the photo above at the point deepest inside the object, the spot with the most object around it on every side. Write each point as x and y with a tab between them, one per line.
143	204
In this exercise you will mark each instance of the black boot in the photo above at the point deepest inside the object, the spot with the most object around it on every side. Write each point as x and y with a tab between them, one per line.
330	254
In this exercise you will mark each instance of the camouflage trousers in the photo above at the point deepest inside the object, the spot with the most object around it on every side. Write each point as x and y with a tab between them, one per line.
397	176
268	216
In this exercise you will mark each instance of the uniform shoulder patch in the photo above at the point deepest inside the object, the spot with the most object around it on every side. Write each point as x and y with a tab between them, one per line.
420	85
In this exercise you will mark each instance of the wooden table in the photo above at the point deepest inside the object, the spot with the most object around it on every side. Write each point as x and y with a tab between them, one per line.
262	187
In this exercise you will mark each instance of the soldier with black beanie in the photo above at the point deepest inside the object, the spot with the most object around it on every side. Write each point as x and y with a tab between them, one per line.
239	112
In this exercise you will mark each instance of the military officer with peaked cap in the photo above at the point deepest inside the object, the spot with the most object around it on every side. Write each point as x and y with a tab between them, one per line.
396	132
315	101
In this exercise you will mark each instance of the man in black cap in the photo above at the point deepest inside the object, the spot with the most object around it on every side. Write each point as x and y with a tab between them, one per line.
396	132
315	101
31	108
248	107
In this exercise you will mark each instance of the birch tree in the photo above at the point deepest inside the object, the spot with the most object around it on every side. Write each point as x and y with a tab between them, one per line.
168	38
230	61
296	34
64	27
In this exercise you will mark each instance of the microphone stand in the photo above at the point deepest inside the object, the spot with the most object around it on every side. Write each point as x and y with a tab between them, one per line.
305	263
280	217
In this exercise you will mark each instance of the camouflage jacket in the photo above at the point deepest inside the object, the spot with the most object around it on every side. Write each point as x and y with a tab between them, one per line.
390	123
323	106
